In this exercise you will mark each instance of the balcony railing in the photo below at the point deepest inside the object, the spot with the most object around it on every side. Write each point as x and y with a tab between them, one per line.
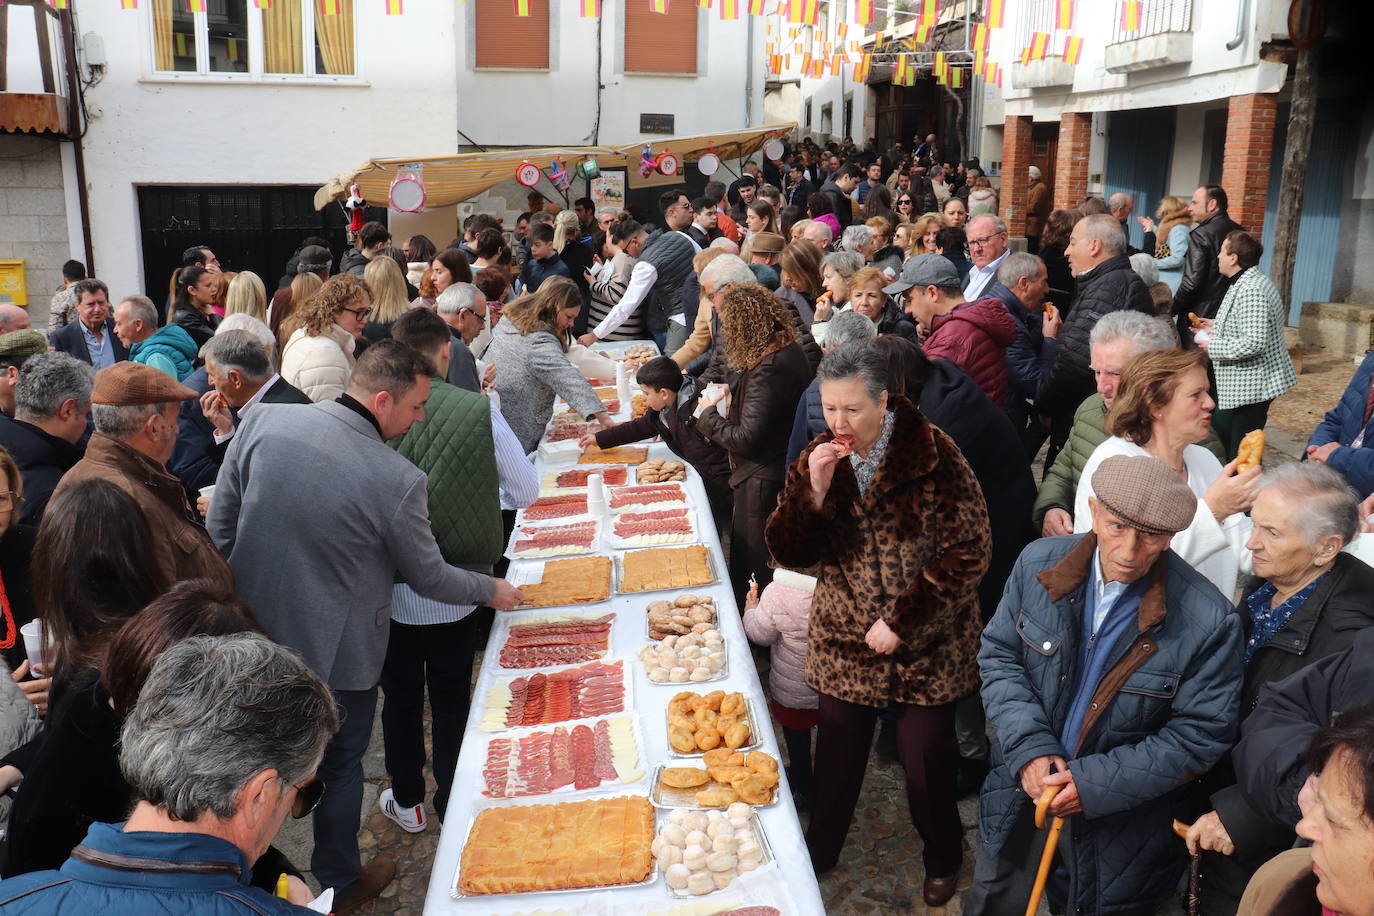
1156	18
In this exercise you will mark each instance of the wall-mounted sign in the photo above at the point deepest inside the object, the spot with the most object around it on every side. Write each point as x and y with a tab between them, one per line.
656	123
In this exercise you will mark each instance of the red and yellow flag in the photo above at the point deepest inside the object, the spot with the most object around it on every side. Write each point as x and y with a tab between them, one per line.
980	37
775	64
1040	43
756	7
128	4
941	67
195	6
810	11
862	68
1025	55
658	6
1063	14
899	70
1130	15
863	12
589	9
260	4
806	62
996	13
930	12
956	78
393	7
836	65
841	29
978	58
922	34
1073	49
181	45
522	7
704	4
729	9
818	68
990	70
59	4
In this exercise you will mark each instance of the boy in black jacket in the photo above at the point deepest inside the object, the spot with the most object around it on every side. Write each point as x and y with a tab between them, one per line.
672	398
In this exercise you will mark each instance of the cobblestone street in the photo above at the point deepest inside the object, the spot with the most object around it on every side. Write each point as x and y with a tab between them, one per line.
880	869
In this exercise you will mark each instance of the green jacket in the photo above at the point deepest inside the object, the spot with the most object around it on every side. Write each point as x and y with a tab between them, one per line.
1060	485
453	446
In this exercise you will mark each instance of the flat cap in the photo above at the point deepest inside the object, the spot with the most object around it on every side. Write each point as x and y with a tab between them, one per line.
22	343
925	270
768	242
1145	493
127	383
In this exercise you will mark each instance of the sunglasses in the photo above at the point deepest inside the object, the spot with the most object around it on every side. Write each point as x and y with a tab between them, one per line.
307	797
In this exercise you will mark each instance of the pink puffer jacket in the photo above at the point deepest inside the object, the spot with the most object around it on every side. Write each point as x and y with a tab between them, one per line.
781	621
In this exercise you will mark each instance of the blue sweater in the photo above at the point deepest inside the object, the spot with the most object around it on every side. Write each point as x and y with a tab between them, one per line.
535	272
1097	650
1343	423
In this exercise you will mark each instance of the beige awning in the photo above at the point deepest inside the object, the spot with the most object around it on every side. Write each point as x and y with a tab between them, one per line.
453	179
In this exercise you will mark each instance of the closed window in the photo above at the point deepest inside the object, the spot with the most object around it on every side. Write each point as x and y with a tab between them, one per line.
505	40
305	38
661	42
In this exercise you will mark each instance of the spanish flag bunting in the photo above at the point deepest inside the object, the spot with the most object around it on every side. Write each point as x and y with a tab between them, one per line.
589	9
978	58
929	12
768	28
787	61
990	70
863	12
1073	49
1040	42
393	7
899	71
828	49
658	6
1063	14
811	11
836	65
1130	15
862	68
817	68
729	9
331	7
756	7
128	4
806	62
996	13
956	78
792	34
181	44
841	29
775	64
704	4
922	34
980	37
1025	55
195	6
856	46
522	7
260	4
59	4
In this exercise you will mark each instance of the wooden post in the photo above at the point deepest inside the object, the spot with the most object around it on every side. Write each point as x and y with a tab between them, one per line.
1300	116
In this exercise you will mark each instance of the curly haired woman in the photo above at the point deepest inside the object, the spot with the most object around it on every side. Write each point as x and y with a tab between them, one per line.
767	373
323	330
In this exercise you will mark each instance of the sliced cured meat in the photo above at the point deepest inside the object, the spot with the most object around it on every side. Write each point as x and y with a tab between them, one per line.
534	700
630	529
584	758
577	477
605	756
647	495
515	713
557	506
653	515
556	643
846	444
560	759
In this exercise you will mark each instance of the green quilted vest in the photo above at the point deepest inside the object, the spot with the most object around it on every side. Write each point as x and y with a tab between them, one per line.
453	446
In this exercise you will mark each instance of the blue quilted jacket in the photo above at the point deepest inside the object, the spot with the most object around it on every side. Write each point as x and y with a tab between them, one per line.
143	874
171	349
1165	712
1343	423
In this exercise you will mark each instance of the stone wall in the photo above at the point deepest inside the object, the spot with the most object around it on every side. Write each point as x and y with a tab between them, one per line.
33	215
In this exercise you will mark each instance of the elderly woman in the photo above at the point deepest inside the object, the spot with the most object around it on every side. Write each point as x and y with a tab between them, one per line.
1168	243
529	350
1246	343
800	273
836	270
866	297
1162	409
1308	601
889	510
321	335
1333	875
766	371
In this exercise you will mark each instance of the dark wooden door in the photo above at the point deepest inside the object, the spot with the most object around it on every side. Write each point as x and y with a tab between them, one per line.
1044	151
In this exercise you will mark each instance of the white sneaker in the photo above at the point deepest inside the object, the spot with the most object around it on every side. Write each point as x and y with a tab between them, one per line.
411	820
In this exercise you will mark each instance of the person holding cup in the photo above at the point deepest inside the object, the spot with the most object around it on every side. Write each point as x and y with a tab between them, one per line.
16	548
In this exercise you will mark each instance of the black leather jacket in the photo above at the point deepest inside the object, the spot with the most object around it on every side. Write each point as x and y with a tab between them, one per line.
1203	286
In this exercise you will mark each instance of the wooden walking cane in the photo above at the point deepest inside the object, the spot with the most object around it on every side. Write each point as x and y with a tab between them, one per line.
1042	807
1194	871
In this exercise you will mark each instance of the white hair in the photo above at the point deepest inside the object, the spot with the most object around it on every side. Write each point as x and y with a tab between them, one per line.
457	297
727	270
822	228
727	244
1145	267
855	237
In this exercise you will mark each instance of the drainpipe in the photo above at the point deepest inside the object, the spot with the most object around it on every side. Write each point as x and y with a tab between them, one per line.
749	76
75	128
1241	7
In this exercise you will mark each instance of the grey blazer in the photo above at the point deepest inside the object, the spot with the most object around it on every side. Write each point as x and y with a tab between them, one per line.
317	517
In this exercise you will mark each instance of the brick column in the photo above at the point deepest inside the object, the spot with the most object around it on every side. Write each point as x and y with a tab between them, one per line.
1016	153
1071	162
1249	148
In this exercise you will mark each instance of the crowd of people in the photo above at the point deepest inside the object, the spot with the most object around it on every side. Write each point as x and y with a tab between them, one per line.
237	514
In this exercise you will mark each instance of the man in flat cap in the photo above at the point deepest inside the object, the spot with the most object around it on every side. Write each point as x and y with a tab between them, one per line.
15	348
135	410
1112	674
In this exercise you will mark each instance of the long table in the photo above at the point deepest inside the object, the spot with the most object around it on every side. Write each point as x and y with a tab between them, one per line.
788	883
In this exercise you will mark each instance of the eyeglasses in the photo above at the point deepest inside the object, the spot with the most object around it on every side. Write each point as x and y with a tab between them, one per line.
979	243
9	498
307	797
360	314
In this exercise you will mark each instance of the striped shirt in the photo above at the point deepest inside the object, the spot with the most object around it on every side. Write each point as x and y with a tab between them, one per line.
519	488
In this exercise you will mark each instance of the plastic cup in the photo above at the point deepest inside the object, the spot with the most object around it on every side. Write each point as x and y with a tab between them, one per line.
35	642
208	492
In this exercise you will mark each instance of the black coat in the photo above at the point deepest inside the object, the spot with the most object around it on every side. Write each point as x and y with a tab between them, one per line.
990	444
1062	283
42	458
201	326
679	435
1203	286
16	549
71	341
843	212
1109	287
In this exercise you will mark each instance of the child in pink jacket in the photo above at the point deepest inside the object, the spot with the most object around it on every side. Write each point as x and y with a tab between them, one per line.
779	618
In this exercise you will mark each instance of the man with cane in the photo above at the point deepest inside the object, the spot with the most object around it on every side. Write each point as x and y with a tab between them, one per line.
1111	673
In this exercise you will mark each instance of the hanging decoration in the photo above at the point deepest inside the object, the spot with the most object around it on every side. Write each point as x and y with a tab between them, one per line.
1073	49
128	4
647	165
393	7
528	174
1063	14
354	207
1040	42
729	10
773	149
407	193
709	163
589	9
559	176
1130	15
522	8
862	68
588	169
863	13
666	163
996	13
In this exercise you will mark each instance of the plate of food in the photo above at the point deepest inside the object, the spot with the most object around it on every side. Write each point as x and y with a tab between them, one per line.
652	528
587	756
724	778
694	657
620	454
679	615
559	505
699	723
661	470
644	496
701	852
554	639
578	845
659	568
577	478
549	697
556	583
555	539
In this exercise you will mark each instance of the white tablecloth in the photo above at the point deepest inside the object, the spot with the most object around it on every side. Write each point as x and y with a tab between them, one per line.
789	884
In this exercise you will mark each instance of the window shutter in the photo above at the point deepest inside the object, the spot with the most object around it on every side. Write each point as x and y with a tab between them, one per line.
661	42
507	40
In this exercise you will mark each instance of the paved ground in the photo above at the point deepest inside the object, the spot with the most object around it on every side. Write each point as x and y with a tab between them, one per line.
880	870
